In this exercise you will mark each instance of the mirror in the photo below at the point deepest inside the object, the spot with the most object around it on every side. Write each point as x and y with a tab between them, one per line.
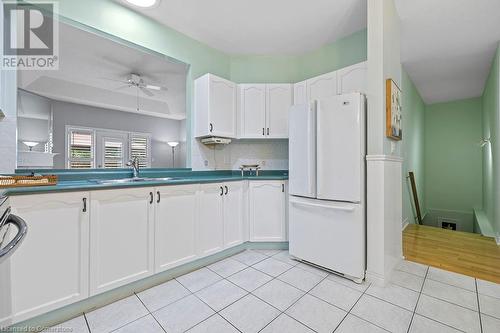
108	102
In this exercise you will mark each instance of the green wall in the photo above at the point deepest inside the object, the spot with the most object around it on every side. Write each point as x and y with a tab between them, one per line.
413	148
491	126
282	69
453	158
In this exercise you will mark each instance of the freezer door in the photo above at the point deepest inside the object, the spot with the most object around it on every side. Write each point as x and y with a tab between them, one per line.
302	150
329	234
341	148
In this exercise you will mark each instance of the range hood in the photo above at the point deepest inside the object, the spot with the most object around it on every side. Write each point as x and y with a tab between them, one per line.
213	140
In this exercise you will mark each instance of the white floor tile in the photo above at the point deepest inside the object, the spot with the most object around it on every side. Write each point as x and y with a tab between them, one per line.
268	253
403	297
413	268
488	288
249	314
451	294
349	283
227	267
286	324
383	314
316	314
116	315
490	305
214	324
163	295
313	269
249	257
407	280
145	324
182	315
300	278
250	279
272	267
336	294
75	325
198	279
451	278
421	324
286	258
221	294
449	314
353	324
490	324
278	294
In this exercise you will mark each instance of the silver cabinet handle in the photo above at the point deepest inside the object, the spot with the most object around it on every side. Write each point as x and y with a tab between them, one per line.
159	197
84	205
221	191
150	198
211	127
263	131
227	190
9	249
268	131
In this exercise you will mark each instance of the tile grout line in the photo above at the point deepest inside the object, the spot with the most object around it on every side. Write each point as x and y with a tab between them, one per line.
478	306
149	312
87	322
418	299
352	307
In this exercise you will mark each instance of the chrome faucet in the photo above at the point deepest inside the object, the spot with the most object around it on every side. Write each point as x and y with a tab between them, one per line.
134	163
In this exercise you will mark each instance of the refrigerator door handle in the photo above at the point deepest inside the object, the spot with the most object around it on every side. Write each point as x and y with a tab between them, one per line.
343	208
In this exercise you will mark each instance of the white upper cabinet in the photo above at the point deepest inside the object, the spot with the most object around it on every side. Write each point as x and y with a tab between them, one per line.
300	93
121	237
322	86
175	226
267	205
278	102
233	214
211	219
252	110
352	79
215	107
50	268
263	110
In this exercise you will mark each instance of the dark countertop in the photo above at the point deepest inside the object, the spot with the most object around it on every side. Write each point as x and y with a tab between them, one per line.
71	180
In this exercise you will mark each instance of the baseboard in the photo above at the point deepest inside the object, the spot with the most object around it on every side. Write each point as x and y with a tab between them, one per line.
71	311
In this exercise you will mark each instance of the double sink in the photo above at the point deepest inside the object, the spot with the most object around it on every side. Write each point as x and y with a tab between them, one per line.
132	180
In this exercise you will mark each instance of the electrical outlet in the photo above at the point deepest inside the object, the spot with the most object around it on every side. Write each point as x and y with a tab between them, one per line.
205	162
263	163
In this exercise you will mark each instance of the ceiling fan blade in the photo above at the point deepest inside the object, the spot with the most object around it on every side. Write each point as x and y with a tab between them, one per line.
146	91
152	87
113	80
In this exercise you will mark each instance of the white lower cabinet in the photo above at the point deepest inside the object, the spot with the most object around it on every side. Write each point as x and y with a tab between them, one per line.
233	214
50	268
267	211
175	225
211	219
121	237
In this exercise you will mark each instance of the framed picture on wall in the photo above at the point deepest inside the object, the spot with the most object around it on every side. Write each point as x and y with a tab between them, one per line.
393	111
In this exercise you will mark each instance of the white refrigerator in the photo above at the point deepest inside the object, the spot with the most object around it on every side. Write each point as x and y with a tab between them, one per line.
327	220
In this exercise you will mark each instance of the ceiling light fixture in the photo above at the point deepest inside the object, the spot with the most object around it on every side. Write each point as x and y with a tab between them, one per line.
143	3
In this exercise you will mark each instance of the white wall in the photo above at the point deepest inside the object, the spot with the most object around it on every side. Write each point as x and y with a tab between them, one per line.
270	154
384	164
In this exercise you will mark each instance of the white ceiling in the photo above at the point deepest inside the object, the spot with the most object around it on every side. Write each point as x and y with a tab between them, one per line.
262	26
448	45
88	65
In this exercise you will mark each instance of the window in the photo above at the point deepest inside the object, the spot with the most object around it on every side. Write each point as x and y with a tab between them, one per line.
113	153
80	149
139	147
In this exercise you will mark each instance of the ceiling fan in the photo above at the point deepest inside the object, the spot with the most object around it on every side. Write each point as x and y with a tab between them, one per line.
135	80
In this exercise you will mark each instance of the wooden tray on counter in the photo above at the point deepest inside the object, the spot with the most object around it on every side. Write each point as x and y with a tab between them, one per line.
24	181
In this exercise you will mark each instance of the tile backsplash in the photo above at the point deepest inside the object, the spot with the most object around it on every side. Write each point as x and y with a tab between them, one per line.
270	154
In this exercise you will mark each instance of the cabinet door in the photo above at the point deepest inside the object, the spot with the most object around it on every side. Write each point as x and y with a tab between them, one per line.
352	79
233	214
279	101
121	237
222	110
252	110
322	86
300	93
50	268
267	211
175	226
210	219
